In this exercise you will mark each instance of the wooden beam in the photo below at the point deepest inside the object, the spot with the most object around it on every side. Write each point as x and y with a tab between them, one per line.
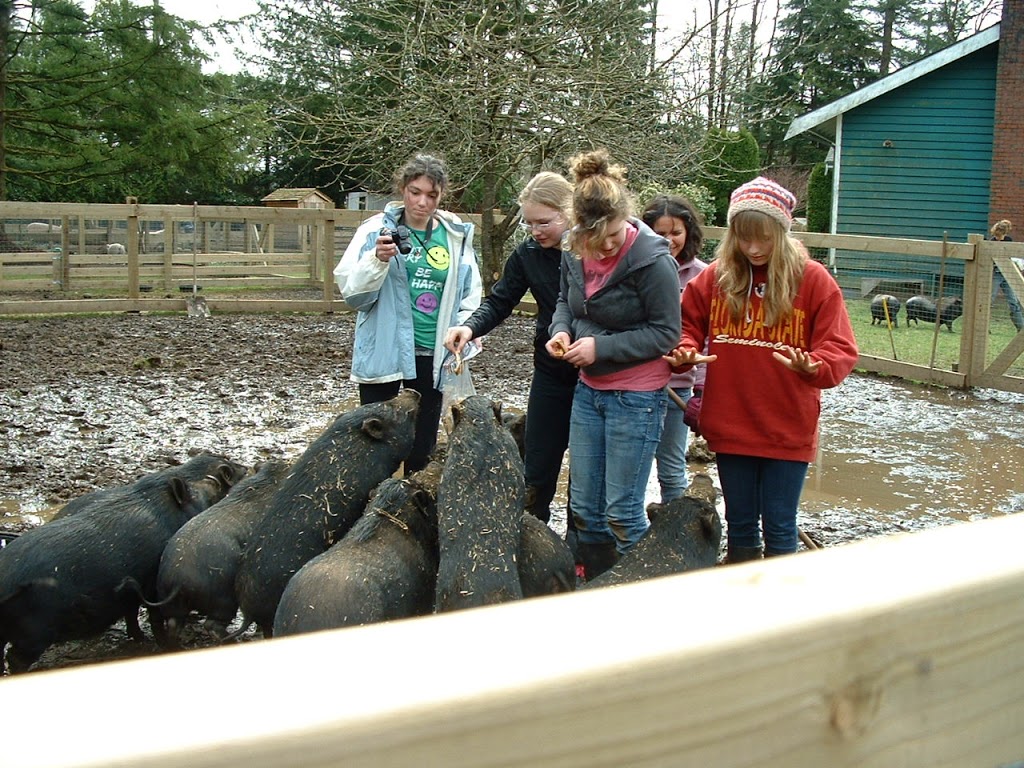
888	367
899	651
77	306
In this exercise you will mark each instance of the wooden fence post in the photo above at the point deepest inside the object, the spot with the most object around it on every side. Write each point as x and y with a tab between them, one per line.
977	314
327	227
316	232
82	250
133	247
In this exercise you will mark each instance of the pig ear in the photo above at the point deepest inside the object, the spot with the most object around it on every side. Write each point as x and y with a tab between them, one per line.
373	427
421	498
708	520
496	407
653	510
179	489
225	475
456	414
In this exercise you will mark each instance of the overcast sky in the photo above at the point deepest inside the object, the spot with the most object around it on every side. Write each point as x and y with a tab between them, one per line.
672	14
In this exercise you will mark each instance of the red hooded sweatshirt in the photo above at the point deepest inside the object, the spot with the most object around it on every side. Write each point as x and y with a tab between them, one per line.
753	405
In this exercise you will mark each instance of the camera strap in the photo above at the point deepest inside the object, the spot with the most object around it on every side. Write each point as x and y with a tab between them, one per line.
430	229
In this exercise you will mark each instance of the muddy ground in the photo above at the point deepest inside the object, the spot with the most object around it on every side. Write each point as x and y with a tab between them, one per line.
91	402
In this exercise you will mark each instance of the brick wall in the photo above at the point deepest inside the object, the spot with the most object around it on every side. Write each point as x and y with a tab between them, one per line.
1006	199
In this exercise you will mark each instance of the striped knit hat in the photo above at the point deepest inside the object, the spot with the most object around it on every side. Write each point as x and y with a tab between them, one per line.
766	196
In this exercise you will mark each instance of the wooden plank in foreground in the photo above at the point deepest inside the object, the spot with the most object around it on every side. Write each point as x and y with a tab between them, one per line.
890	652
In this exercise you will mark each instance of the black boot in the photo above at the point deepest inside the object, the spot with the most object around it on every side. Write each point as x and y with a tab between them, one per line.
572	538
530	504
741	554
597	558
573	543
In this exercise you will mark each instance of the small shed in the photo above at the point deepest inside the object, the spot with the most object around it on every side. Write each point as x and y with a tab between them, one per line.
297	197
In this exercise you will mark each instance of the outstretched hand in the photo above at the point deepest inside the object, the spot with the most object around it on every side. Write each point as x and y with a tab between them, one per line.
457	337
798	361
687	356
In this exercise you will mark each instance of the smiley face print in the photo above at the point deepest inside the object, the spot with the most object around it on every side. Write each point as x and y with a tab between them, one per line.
439	258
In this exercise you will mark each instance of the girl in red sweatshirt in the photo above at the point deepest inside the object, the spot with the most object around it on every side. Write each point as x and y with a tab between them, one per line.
778	333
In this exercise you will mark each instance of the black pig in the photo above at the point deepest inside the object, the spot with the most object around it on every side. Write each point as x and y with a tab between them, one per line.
64	580
209	476
516	424
479	504
546	564
685	535
321	498
199	564
878	307
385	568
923	308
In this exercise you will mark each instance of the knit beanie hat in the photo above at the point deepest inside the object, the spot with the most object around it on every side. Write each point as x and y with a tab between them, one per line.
766	196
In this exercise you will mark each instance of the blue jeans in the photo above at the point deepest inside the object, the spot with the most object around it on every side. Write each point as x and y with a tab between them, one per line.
613	436
761	492
1012	302
671	455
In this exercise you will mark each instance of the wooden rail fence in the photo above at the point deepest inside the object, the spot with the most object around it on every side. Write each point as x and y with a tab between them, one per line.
169	249
896	652
143	251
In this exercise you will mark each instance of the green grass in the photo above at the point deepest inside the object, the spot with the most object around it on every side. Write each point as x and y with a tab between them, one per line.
914	344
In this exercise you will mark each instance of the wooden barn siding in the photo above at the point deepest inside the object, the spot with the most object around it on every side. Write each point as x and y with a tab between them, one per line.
934	179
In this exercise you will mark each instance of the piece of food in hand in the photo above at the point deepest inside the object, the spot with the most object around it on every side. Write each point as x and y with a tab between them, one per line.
558	348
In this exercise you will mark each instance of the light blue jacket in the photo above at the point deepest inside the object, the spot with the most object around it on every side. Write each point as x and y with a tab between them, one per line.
384	349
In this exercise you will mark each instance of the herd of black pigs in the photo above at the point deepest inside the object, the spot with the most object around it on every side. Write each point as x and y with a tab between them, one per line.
333	539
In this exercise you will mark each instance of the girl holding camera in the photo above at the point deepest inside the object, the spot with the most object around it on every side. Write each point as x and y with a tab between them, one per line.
778	333
408	293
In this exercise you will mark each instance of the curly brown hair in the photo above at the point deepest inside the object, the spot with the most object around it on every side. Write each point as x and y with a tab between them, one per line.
600	196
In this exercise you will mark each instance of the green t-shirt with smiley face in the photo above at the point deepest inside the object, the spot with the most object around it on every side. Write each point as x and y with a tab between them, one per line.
427	267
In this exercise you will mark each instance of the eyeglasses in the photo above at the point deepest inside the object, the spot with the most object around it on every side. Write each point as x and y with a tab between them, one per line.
539	226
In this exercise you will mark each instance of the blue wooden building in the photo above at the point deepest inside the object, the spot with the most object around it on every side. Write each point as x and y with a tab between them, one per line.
912	157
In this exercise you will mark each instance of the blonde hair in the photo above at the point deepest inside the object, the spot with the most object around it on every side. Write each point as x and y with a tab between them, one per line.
599	197
551	190
1001	228
785	267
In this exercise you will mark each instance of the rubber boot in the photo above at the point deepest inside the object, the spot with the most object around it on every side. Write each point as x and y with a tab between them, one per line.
531	506
741	554
597	558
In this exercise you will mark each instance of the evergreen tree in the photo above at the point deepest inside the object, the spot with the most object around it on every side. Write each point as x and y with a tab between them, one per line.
730	158
823	52
819	199
95	108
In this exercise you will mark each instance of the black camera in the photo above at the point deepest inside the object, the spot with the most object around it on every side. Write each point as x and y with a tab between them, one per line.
400	237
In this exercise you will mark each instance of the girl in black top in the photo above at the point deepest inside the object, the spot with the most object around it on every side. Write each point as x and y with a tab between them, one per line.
544	203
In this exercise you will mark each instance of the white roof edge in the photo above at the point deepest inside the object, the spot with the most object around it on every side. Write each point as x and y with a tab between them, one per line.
900	77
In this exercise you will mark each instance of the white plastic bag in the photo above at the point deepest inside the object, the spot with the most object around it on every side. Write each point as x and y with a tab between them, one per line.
456	381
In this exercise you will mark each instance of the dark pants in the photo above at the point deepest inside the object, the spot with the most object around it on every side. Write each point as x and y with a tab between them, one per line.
547	437
760	494
429	416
